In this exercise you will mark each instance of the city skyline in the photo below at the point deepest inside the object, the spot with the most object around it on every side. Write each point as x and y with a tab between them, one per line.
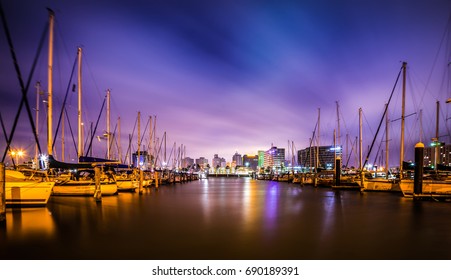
224	77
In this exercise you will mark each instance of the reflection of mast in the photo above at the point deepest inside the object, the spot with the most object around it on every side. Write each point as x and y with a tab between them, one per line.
50	85
80	139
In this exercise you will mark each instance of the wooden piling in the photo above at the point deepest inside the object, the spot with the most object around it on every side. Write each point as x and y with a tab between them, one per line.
156	179
419	162
98	191
337	171
140	184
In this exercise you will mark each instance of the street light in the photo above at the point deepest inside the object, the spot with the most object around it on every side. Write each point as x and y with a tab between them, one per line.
17	154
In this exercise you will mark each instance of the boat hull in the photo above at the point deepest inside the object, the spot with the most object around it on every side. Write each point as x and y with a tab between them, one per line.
81	188
430	187
381	184
28	193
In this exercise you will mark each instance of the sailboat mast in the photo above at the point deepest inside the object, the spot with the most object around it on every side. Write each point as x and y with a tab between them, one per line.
119	138
403	114
386	143
38	92
338	124
437	148
360	140
317	143
139	139
62	138
80	139
108	145
50	85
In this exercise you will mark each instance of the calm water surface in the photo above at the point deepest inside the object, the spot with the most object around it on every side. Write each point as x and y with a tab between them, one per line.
231	218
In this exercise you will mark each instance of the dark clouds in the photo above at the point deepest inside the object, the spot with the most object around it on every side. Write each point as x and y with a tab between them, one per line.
220	74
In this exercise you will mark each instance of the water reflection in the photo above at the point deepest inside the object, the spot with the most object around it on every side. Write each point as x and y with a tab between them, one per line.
230	218
28	223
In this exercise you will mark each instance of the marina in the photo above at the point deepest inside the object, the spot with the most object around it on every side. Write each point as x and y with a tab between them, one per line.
230	218
111	184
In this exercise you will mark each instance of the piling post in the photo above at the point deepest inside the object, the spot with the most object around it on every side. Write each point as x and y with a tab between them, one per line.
2	193
141	178
337	171
98	191
419	162
156	179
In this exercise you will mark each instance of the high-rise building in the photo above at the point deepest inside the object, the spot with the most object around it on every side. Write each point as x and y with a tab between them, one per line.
274	157
237	159
261	159
202	162
308	158
218	162
187	162
250	161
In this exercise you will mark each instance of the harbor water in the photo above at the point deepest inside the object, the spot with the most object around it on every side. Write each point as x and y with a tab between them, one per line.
233	219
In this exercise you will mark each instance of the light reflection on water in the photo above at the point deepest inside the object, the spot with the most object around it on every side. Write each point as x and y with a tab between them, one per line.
230	218
29	223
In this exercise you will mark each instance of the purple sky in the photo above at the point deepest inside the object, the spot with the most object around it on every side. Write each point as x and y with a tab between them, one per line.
235	76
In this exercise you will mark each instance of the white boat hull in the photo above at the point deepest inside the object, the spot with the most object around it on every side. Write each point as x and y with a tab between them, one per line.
28	193
82	188
381	184
430	187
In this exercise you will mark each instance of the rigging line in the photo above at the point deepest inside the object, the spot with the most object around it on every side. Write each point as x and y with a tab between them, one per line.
130	140
95	128
382	119
6	136
92	75
112	140
145	130
379	148
71	131
24	89
436	57
64	103
350	154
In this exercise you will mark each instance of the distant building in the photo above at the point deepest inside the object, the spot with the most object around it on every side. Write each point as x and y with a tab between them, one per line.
187	162
142	160
237	160
202	162
442	151
261	159
250	161
274	158
308	158
218	162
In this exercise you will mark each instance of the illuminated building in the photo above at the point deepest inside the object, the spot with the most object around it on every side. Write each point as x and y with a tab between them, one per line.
187	162
218	162
251	161
237	159
274	158
202	162
326	157
443	158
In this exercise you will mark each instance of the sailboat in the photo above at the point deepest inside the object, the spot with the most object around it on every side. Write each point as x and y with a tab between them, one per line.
21	190
370	183
79	178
